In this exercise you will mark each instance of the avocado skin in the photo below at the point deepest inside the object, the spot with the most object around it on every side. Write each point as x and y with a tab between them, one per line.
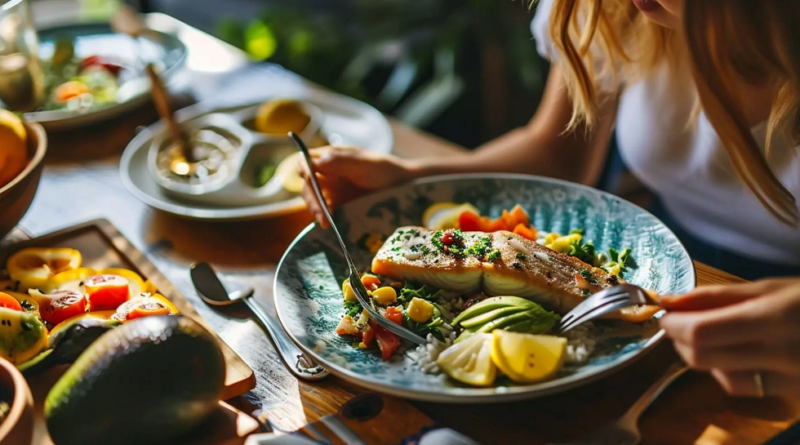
144	382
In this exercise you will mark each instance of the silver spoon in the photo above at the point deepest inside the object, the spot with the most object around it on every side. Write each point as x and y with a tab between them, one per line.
211	290
354	278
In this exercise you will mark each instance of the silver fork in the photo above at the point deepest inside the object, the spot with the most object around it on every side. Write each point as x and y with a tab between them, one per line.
604	302
353	278
625	430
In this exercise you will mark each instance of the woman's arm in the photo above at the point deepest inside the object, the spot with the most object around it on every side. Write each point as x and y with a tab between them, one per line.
541	147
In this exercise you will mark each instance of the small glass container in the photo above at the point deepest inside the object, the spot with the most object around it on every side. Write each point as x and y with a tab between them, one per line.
21	76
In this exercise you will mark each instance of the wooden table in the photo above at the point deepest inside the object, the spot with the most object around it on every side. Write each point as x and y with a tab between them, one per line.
81	182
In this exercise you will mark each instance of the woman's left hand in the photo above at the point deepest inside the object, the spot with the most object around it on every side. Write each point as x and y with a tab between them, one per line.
736	331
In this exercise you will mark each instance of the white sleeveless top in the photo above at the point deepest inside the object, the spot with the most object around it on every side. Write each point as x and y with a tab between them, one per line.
687	165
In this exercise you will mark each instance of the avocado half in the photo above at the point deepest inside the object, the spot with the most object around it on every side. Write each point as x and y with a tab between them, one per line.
144	382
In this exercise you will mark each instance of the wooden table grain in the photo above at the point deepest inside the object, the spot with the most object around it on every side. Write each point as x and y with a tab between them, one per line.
82	182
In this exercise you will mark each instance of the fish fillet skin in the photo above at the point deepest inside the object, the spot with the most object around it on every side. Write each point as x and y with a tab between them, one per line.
524	268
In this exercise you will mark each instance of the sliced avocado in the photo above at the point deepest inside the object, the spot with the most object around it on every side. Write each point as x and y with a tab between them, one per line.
491	304
482	319
22	335
149	381
540	319
68	343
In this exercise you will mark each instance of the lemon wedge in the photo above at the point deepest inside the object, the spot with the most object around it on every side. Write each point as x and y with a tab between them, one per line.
289	171
470	361
527	358
281	116
444	215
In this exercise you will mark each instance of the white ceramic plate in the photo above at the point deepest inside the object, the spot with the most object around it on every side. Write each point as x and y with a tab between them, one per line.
346	121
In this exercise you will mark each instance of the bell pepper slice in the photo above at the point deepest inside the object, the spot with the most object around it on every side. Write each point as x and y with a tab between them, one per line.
70	279
26	302
106	292
9	302
60	305
525	232
34	267
144	306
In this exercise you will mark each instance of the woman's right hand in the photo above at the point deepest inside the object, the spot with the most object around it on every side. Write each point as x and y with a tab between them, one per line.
345	173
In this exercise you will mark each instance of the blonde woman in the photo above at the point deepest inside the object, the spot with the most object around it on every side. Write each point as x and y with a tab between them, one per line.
704	98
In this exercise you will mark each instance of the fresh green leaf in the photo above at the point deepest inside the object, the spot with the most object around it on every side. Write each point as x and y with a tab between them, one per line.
264	173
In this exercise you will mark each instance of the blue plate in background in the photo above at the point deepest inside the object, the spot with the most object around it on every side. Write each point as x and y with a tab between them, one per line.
165	51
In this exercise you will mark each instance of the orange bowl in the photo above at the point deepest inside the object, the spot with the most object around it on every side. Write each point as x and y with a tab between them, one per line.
17	195
17	428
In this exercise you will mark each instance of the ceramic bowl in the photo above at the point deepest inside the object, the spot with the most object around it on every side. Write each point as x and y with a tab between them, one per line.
17	195
17	428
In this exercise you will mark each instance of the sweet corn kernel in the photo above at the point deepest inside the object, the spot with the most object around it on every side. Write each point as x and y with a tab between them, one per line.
385	295
347	291
420	310
614	270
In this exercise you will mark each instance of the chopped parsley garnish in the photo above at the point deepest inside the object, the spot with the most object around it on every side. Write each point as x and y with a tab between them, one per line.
411	290
521	256
396	249
587	275
481	247
493	256
352	308
425	250
582	251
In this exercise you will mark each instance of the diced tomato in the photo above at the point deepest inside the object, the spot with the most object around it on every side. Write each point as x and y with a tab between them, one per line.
368	334
395	314
447	238
371	282
9	302
60	305
469	221
106	291
525	232
387	341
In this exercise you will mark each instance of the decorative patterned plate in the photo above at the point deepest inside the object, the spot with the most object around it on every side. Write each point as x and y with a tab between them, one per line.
309	301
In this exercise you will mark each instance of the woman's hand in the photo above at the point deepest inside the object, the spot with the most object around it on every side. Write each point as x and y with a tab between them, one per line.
345	173
736	331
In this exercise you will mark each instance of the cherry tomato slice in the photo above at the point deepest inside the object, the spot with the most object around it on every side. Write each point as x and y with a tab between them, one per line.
106	292
9	302
371	280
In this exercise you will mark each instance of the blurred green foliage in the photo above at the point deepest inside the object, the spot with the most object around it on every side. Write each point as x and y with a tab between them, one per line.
423	52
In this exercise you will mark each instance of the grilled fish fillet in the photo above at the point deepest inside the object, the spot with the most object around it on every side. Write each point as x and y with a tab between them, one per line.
499	263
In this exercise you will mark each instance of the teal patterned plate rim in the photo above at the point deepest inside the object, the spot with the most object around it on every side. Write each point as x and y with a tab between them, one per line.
308	299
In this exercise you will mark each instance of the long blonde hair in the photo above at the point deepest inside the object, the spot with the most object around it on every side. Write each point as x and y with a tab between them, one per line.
757	40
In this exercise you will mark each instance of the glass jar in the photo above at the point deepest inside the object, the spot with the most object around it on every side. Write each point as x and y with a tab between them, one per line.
21	76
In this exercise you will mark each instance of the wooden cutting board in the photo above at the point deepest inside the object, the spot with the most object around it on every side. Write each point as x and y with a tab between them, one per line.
103	246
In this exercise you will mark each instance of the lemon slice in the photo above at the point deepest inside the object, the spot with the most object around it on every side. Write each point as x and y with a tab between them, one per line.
444	215
289	171
527	358
470	361
281	116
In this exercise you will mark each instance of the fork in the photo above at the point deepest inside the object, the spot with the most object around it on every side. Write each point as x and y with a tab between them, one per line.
603	302
625	430
353	278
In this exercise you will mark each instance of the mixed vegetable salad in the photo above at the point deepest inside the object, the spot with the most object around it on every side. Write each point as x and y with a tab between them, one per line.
79	83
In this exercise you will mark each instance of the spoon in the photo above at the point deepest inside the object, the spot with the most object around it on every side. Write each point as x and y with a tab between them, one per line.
182	163
211	290
353	278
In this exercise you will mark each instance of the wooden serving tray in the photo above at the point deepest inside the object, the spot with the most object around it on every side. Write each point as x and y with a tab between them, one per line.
103	246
